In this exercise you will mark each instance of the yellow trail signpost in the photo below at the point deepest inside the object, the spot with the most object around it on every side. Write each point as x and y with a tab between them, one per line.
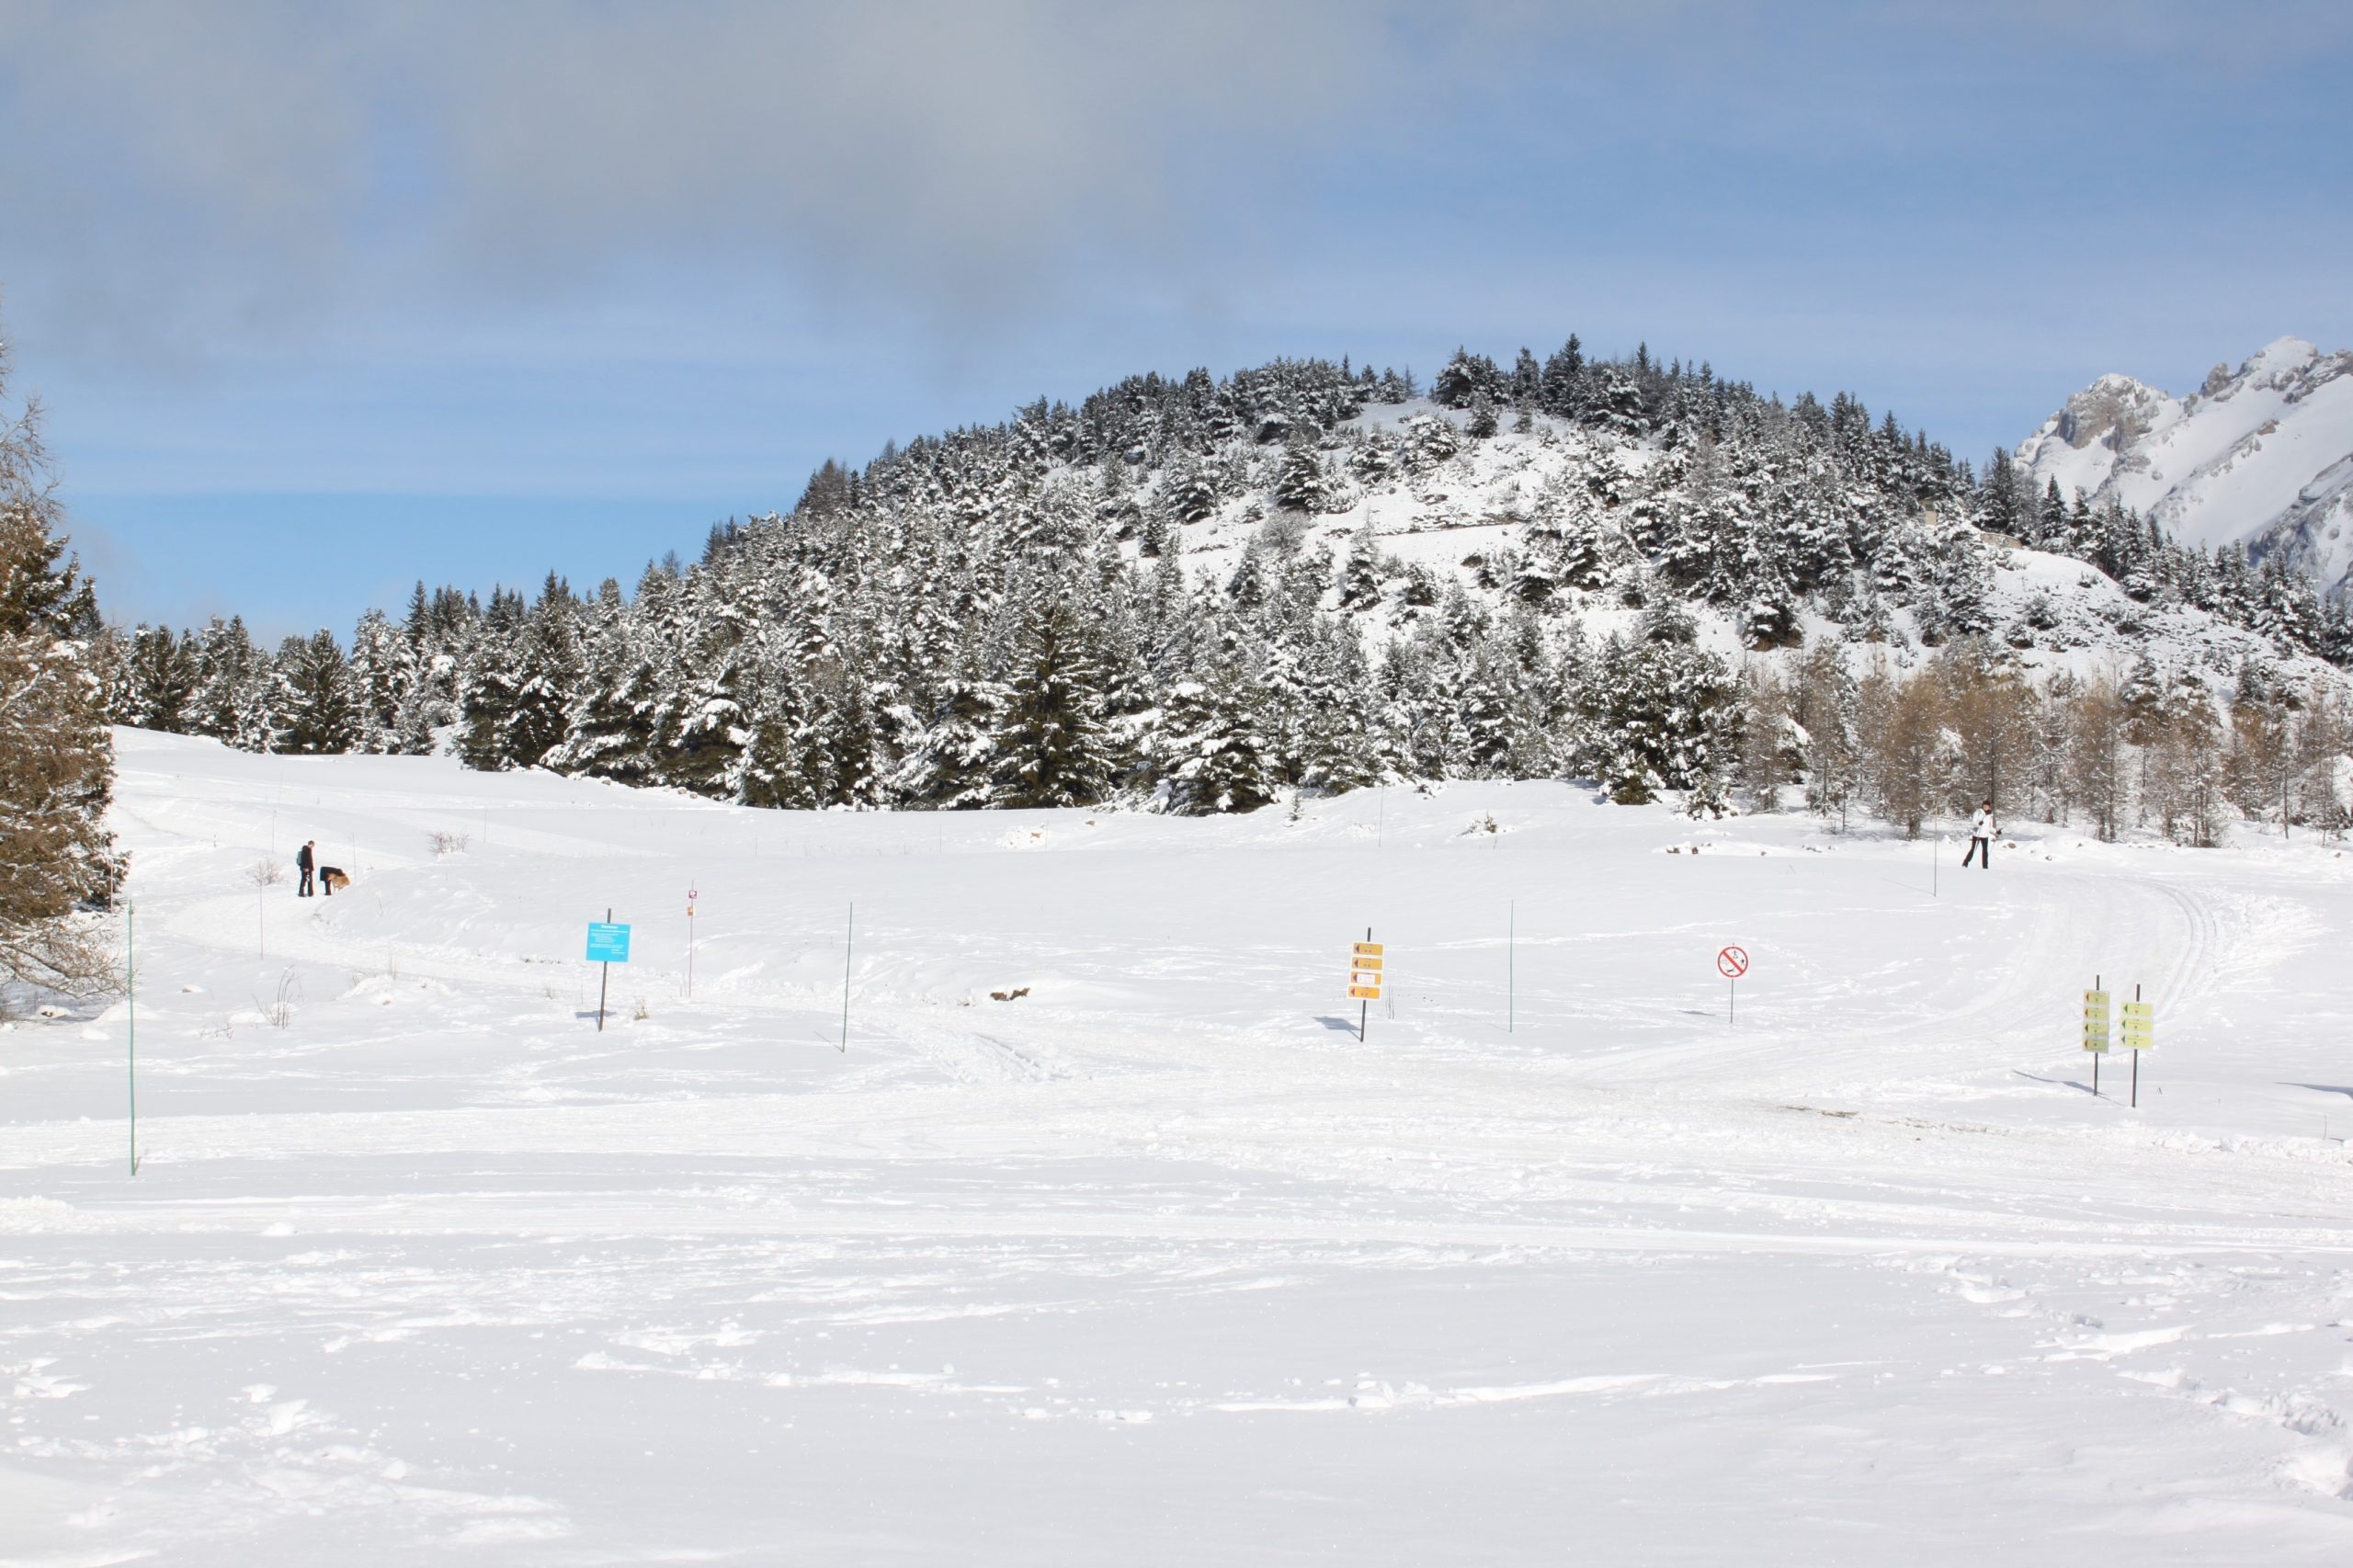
2096	1028
1364	978
2136	1029
2140	1034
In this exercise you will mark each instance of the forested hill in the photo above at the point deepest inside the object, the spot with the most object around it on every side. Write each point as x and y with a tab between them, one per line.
1204	593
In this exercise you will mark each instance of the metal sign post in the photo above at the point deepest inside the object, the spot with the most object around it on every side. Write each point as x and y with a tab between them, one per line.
1732	963
2140	1033
1364	978
691	896
849	933
607	945
2096	1029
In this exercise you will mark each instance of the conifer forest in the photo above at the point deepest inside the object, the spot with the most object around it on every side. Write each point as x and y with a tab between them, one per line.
1675	586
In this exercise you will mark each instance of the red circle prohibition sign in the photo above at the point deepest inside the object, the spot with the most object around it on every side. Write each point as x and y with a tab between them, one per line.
1733	962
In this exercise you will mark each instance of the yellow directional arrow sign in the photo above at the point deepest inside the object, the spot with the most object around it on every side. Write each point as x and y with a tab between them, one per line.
2096	1020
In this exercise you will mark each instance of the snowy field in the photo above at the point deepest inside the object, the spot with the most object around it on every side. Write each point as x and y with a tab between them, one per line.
1158	1264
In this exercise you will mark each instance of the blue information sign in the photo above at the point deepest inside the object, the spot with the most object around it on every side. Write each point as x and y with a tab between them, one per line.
607	943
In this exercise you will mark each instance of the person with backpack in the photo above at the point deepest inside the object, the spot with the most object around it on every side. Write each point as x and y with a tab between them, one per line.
1983	831
305	860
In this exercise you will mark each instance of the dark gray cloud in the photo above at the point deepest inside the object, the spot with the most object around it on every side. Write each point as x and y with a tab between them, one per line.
185	179
179	173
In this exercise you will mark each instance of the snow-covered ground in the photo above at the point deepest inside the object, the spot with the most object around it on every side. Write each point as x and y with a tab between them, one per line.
1158	1264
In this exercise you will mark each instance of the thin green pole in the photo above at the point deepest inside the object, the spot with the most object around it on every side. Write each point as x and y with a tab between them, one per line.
131	984
849	931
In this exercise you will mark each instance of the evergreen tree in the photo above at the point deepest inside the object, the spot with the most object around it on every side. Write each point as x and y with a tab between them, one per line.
1302	485
1360	570
547	678
950	769
493	675
1050	745
161	680
1663	720
382	670
1218	753
318	715
56	756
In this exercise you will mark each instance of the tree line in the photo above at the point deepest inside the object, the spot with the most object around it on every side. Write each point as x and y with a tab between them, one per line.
1002	616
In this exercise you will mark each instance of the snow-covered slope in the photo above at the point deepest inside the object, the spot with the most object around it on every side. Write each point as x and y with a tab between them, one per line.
1157	1264
2260	457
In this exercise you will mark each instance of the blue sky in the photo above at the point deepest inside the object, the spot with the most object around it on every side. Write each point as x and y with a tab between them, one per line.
323	299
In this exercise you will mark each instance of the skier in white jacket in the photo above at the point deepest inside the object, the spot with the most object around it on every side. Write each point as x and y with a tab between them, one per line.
1983	831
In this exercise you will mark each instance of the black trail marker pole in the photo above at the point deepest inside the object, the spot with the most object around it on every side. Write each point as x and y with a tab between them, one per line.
849	934
2136	1050
604	971
1365	972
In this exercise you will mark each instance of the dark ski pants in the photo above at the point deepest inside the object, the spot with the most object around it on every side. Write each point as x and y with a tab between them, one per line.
1983	849
304	891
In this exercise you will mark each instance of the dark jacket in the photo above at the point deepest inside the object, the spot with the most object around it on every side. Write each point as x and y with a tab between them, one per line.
302	857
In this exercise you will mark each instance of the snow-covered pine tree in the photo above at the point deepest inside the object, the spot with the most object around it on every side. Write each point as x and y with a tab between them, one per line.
56	756
1823	705
950	768
383	669
1303	483
161	679
1218	754
1663	720
318	715
547	678
611	727
1051	749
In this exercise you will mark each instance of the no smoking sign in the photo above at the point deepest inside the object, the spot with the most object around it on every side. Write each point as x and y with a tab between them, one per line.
1731	962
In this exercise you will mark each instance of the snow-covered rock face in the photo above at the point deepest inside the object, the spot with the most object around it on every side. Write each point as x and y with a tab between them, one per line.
2260	457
